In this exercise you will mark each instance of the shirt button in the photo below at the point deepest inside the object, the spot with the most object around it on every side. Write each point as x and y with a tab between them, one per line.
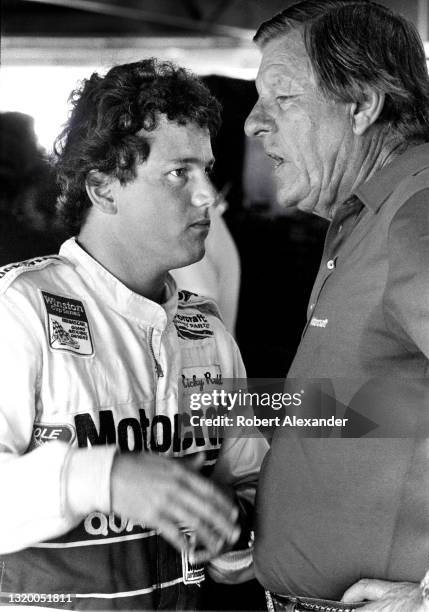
340	227
331	264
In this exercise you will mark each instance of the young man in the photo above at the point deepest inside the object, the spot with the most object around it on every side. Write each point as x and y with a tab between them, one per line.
99	354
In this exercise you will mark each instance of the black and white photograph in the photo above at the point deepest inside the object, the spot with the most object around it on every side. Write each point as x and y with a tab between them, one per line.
214	305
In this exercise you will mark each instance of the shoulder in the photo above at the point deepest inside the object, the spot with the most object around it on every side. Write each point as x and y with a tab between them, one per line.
411	219
408	240
197	317
406	211
193	301
20	305
22	285
27	270
411	193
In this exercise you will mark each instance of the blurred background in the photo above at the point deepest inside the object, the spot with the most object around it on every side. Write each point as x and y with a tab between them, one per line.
48	46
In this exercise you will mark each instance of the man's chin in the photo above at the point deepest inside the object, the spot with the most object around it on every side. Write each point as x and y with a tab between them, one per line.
299	202
290	194
317	208
291	205
307	207
192	258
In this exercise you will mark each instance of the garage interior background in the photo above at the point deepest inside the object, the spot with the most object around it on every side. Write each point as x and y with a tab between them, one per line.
47	46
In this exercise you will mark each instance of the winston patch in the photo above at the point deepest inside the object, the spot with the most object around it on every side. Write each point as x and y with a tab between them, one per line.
67	324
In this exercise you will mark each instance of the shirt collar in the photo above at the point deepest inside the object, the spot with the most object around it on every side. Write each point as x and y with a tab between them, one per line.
379	187
115	294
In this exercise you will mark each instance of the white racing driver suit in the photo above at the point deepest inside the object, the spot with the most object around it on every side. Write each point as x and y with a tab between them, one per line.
87	363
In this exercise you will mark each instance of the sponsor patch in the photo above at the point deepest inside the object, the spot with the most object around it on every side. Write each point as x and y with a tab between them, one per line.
192	326
67	324
47	432
318	322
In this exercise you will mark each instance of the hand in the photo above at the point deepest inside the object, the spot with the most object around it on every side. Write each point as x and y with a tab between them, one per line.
167	494
386	596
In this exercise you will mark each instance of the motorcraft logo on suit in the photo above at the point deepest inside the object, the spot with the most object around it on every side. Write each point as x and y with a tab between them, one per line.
160	433
192	326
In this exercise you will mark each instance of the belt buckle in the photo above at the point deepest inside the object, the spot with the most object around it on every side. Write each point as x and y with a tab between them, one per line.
302	604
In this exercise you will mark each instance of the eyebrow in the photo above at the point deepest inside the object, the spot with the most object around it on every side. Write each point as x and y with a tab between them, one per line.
191	160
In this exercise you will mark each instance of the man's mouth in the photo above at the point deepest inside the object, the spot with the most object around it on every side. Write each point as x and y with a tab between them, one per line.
278	161
201	224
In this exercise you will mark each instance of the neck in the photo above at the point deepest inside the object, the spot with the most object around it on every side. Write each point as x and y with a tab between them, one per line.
138	275
378	151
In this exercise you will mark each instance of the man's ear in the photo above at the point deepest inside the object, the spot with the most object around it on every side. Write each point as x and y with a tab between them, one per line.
99	189
366	112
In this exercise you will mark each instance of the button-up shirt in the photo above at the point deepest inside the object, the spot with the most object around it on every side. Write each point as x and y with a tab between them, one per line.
334	510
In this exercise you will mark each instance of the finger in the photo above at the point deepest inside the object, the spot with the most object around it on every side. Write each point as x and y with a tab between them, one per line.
171	533
366	589
206	490
172	518
205	534
205	500
204	515
198	557
202	555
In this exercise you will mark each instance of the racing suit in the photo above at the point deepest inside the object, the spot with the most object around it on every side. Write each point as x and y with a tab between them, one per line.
87	363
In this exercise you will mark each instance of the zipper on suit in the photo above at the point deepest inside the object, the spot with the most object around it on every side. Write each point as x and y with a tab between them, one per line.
158	369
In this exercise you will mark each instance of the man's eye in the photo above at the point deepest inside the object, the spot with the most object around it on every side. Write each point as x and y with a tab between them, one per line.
283	98
179	172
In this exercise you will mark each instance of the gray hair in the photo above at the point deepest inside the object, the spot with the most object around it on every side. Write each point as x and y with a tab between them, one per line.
355	44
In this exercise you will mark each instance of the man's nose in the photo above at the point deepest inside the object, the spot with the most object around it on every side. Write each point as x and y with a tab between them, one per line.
258	123
204	194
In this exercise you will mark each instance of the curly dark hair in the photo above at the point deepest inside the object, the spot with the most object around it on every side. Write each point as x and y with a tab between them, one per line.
108	111
358	43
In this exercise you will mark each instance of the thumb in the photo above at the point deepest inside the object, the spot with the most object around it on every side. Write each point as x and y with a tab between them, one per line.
366	589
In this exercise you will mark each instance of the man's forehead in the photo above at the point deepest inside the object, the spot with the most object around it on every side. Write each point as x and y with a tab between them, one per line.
285	63
175	141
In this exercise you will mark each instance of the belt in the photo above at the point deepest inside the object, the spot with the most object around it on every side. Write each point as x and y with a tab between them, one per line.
289	603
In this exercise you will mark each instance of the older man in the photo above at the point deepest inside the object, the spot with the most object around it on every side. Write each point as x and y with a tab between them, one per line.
102	503
343	111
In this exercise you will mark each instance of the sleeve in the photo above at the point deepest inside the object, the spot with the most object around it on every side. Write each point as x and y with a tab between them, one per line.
406	297
40	497
238	466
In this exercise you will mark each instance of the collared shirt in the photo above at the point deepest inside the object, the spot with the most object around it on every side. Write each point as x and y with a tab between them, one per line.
334	510
357	286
